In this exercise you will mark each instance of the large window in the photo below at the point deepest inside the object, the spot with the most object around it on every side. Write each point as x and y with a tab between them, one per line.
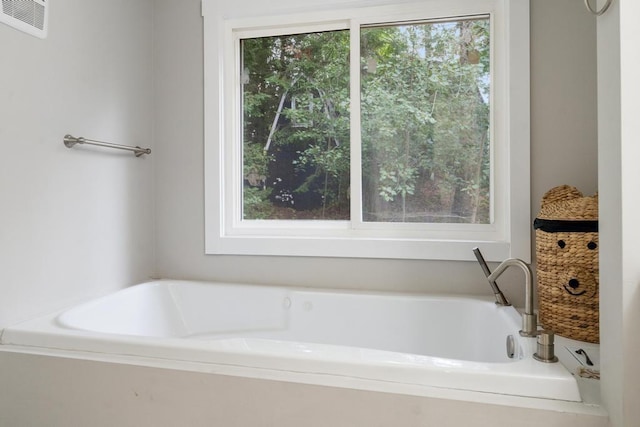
372	132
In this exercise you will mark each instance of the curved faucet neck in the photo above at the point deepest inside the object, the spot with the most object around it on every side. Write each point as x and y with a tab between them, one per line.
529	322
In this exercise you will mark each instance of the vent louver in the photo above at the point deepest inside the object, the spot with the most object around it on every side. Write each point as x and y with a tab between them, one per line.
30	16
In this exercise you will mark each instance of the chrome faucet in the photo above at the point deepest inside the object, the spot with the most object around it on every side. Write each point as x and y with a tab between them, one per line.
529	321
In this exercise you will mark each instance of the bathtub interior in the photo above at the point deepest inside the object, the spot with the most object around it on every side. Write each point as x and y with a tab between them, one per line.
165	310
453	328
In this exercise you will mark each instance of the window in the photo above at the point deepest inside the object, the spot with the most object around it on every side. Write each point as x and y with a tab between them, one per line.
380	132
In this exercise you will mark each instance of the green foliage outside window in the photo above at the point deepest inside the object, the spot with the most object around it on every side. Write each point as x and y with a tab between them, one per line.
424	124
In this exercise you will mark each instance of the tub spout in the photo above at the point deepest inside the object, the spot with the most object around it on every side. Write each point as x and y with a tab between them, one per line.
529	322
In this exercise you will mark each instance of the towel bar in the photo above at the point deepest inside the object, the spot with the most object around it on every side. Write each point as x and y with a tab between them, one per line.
70	141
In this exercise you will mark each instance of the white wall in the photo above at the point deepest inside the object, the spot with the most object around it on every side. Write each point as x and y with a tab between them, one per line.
630	154
610	182
563	144
74	223
563	98
619	151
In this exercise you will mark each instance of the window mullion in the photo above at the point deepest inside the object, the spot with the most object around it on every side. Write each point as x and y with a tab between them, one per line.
355	129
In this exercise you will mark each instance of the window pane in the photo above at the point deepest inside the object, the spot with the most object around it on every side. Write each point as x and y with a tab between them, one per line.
425	122
295	99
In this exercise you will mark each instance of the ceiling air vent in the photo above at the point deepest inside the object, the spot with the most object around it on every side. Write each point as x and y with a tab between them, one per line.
30	16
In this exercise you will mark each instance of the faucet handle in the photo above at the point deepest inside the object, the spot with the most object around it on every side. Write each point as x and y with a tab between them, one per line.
500	298
545	348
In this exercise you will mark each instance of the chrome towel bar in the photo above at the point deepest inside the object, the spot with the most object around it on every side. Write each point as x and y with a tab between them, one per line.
70	141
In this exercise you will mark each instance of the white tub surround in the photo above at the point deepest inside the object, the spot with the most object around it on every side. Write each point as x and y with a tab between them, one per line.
306	335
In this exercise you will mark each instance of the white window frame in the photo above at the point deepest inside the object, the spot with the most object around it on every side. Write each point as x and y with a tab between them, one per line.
508	234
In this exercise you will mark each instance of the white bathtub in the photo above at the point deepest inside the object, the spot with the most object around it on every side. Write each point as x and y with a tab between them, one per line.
307	336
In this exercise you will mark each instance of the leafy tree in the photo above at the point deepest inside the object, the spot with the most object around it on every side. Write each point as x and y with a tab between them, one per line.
425	121
302	83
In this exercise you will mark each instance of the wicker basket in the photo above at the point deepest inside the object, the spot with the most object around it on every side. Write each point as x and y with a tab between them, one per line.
567	264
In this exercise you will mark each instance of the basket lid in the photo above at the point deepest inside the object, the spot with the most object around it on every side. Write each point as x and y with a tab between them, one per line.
565	203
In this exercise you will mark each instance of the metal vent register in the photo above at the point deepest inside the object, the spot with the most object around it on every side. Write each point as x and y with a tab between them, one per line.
30	16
